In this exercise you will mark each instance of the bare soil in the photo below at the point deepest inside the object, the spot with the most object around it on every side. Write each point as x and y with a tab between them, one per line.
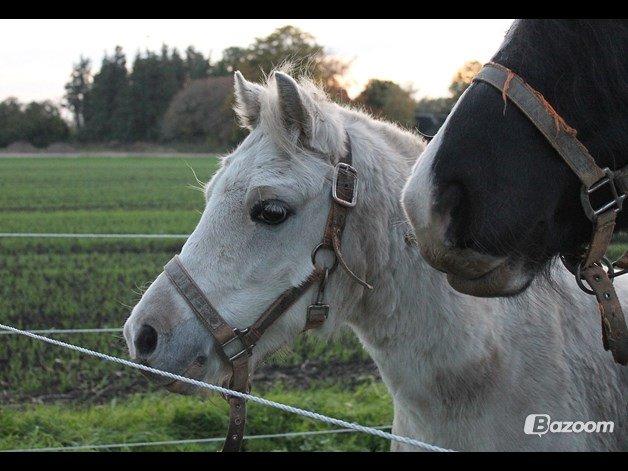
309	374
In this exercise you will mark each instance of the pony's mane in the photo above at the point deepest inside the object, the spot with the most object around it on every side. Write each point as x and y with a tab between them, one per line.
330	120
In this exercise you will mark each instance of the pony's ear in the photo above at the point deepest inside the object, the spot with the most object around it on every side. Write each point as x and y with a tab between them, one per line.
247	96
294	105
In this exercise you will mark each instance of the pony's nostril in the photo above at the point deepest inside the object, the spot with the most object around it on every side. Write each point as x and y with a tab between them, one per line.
146	340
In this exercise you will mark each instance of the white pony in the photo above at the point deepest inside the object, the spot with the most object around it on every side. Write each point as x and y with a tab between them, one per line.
463	372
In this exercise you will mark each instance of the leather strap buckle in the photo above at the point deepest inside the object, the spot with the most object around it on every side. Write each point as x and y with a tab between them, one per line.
605	262
348	178
615	204
317	313
244	348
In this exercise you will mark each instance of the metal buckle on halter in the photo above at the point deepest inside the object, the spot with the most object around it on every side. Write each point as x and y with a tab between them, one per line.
615	205
350	172
244	348
317	313
610	270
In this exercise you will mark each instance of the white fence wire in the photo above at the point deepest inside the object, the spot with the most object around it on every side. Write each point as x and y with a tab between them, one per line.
212	387
192	441
64	235
99	330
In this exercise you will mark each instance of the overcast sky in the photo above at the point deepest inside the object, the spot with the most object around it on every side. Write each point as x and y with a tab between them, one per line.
36	56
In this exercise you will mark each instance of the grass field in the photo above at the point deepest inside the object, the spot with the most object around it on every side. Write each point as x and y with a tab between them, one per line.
161	417
66	283
79	283
138	194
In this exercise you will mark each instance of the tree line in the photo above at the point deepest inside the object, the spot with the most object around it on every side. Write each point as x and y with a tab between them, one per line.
184	97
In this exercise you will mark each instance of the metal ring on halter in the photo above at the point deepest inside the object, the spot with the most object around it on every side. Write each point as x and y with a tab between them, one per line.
611	275
322	246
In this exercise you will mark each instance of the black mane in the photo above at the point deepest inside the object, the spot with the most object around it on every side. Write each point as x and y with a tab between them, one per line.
581	67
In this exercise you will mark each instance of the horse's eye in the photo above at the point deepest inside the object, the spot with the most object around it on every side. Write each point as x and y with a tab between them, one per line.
271	212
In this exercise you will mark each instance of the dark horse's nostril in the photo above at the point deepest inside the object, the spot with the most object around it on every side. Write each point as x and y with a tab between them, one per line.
450	207
449	198
146	340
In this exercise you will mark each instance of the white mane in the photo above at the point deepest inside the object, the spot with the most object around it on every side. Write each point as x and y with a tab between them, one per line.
326	120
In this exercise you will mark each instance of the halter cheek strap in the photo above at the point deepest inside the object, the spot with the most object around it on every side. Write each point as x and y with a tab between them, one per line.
236	346
563	139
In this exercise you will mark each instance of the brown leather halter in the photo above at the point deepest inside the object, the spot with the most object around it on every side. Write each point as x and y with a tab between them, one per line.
236	346
562	137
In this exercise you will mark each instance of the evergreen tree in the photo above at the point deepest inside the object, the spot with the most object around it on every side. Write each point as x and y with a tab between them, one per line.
106	109
154	80
176	69
76	90
196	66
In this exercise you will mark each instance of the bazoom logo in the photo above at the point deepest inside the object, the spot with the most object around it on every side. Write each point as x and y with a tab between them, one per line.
540	424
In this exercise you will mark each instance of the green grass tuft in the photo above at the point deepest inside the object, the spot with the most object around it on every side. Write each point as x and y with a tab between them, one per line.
161	417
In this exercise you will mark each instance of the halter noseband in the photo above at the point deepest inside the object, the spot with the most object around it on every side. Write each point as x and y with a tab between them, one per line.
562	137
236	346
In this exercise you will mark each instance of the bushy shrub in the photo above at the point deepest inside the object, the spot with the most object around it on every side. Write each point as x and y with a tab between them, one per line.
387	100
38	123
201	113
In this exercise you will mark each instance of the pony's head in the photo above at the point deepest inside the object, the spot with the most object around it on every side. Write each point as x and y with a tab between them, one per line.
265	211
491	201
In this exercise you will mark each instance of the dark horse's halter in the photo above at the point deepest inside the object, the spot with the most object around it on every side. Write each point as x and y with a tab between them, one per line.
236	346
590	265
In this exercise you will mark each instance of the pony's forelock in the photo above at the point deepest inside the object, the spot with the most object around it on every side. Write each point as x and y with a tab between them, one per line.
325	121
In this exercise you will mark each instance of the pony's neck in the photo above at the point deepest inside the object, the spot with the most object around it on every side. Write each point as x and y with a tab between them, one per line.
413	324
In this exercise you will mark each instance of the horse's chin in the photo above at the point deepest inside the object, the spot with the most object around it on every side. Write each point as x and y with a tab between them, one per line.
505	280
474	273
197	370
178	387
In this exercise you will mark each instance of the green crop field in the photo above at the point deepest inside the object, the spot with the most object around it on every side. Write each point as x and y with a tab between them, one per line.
70	283
91	283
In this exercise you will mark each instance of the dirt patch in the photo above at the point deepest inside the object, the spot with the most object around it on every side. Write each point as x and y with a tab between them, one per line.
309	374
60	147
20	147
